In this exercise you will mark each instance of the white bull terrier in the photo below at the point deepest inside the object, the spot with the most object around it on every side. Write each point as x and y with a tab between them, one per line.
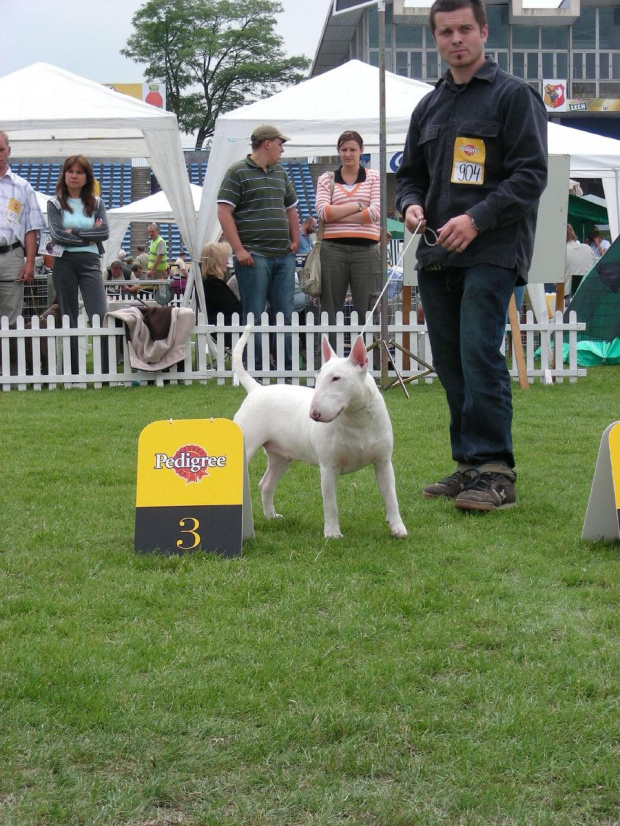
341	426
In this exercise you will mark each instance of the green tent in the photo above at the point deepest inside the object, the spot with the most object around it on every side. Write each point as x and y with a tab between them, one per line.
597	304
396	229
583	215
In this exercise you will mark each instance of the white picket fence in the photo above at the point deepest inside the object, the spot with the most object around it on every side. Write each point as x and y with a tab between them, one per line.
39	357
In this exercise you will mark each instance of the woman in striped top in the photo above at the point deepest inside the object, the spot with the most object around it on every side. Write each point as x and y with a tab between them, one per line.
348	202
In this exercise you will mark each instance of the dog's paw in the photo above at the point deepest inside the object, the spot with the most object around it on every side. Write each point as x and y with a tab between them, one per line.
398	531
332	533
273	515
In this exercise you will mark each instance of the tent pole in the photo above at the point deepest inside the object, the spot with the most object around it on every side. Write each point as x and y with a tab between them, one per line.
193	280
383	176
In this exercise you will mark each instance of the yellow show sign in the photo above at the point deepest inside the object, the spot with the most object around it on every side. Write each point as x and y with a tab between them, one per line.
191	492
602	519
190	461
614	453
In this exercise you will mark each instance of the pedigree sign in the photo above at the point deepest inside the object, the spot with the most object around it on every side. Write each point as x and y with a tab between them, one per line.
603	514
192	483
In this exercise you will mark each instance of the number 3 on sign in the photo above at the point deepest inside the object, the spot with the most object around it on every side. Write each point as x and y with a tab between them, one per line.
193	533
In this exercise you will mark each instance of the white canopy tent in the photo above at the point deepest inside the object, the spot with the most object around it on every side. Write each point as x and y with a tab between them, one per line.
591	156
316	111
312	114
49	112
153	208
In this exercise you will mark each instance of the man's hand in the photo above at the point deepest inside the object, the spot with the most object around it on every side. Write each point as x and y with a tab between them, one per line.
414	217
457	234
294	247
27	273
244	257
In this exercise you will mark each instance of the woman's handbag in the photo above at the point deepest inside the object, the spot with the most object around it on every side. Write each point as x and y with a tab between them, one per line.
310	275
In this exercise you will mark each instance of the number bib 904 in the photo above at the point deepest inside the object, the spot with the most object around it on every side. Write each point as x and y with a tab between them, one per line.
468	161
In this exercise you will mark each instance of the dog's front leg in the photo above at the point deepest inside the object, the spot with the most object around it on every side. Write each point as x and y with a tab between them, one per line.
384	471
329	481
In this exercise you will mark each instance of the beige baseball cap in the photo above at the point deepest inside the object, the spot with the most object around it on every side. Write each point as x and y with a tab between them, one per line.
267	132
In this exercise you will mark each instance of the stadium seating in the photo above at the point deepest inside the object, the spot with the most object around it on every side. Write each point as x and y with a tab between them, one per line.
115	183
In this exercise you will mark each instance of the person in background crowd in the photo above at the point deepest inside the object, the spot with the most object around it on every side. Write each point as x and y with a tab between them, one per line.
218	295
78	222
158	260
307	230
178	281
348	201
20	218
473	170
579	261
123	278
181	264
142	257
258	215
598	245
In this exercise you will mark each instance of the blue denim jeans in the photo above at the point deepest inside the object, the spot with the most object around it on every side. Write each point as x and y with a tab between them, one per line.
465	311
273	280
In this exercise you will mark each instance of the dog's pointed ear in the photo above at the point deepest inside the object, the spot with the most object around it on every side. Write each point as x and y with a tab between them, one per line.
328	352
359	356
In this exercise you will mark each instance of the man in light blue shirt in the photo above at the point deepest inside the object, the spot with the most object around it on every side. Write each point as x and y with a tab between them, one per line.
20	218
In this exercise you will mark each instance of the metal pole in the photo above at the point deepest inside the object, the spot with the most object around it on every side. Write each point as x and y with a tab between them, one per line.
383	175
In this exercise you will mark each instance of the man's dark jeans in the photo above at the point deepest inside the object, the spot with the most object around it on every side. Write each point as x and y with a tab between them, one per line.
465	311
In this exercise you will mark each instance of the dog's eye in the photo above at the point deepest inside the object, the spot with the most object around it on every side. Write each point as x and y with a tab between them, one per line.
335	378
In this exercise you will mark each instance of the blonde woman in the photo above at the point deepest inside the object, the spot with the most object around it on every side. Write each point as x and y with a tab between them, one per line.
218	295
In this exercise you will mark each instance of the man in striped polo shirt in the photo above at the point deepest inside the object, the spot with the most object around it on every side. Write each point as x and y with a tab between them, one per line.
258	215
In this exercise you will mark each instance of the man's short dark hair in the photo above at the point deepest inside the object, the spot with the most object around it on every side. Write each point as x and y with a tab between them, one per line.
477	6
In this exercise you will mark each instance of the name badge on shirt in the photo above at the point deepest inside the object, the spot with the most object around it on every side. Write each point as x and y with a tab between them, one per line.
13	211
468	162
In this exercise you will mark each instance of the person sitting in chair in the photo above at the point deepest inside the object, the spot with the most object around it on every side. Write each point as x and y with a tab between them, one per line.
218	295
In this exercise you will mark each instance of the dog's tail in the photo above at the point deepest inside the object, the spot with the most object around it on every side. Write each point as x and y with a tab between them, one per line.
247	382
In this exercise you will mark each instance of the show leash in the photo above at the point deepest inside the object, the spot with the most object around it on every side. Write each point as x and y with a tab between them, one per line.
398	263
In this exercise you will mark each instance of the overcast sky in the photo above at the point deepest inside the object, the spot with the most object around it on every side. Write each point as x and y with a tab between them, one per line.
86	37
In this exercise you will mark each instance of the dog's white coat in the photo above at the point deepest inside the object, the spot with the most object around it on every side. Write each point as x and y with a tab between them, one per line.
341	426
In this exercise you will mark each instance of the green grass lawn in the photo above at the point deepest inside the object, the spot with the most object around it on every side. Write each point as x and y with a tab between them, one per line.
469	674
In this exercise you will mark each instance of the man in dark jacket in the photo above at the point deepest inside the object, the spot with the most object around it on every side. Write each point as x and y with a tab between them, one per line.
474	168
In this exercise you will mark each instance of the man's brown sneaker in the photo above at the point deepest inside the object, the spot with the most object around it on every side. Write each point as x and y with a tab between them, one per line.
450	487
488	492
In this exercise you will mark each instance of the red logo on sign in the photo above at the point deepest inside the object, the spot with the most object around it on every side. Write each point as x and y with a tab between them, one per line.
468	149
190	463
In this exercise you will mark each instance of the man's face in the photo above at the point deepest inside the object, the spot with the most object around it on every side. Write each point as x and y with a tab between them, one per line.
152	231
5	152
460	40
275	150
116	272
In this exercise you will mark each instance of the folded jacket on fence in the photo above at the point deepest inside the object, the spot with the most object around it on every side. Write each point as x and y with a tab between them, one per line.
157	335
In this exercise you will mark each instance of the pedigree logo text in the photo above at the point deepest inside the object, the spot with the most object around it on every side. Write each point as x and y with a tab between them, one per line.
190	462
